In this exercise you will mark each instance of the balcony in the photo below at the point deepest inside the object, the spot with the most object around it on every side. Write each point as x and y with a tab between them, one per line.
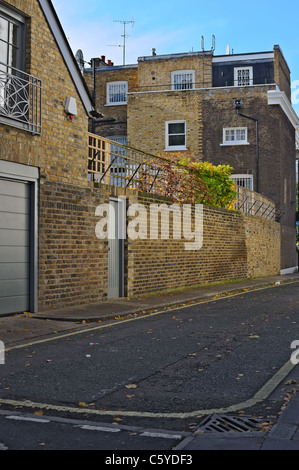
20	99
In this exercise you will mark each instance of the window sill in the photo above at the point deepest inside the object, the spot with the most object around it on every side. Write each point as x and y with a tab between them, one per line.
175	149
229	144
34	129
116	104
243	86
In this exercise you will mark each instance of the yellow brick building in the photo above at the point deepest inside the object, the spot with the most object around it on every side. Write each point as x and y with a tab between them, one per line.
44	111
232	109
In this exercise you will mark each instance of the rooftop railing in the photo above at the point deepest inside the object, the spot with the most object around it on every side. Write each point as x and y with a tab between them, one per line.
20	99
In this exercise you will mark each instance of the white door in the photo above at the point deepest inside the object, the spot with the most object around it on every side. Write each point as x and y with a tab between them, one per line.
116	249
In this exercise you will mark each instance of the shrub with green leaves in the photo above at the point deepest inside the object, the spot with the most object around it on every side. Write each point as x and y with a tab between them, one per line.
220	190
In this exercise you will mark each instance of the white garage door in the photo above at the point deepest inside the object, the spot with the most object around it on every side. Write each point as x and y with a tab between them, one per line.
14	246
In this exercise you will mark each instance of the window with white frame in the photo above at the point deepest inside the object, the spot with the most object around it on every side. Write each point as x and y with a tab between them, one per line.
235	136
246	181
243	76
183	79
117	93
175	135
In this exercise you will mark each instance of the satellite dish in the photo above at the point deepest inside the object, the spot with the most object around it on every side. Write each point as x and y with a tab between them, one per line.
80	59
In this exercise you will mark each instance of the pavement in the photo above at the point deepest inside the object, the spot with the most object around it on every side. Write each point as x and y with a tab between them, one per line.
284	435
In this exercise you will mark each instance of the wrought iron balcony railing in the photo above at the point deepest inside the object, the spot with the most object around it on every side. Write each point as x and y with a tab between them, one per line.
20	99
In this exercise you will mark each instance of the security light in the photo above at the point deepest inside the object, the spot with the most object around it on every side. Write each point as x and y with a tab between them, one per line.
238	104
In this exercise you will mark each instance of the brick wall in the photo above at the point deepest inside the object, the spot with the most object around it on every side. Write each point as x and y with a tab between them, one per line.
263	246
156	71
234	246
148	113
282	72
73	262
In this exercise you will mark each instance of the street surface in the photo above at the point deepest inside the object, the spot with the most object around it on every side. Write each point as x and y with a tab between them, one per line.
147	382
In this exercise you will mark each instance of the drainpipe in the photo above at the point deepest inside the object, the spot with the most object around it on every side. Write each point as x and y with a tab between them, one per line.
93	63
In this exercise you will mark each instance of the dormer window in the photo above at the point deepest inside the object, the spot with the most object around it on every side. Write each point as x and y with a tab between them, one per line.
243	76
183	79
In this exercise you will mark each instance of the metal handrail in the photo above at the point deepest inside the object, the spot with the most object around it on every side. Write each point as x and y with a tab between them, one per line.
122	166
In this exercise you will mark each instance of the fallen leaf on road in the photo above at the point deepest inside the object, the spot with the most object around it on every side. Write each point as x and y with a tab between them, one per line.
290	382
130	386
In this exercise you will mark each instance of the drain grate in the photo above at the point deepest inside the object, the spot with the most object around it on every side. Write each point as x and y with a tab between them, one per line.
224	423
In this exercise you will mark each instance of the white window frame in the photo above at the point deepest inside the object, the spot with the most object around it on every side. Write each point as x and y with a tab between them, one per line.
167	136
117	84
234	133
243	180
181	85
236	79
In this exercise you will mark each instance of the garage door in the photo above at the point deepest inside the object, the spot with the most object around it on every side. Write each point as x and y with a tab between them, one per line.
14	246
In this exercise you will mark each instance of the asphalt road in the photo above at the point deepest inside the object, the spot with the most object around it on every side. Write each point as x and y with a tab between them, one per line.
164	371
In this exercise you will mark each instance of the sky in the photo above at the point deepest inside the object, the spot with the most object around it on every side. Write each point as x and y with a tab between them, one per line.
97	26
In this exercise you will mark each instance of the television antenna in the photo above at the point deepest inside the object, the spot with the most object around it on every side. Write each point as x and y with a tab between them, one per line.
124	36
213	43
